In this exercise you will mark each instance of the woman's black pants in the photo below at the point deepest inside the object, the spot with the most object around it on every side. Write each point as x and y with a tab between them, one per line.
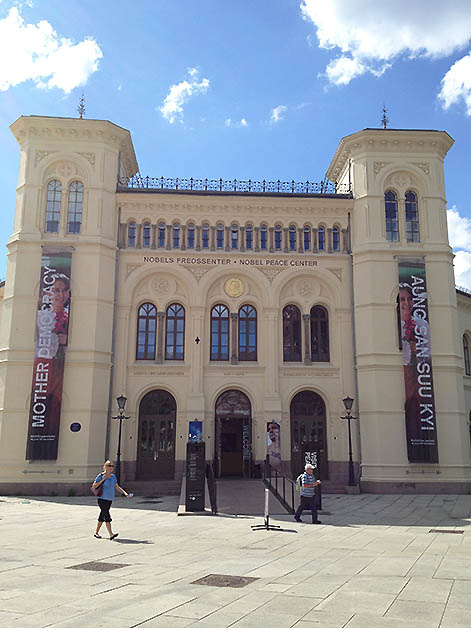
105	505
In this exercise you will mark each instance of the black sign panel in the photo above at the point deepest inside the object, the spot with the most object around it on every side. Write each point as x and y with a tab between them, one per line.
195	476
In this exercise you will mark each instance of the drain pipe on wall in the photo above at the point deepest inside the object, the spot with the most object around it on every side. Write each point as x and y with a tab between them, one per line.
354	347
113	337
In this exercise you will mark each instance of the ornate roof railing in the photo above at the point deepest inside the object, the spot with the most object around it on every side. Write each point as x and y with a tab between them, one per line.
231	186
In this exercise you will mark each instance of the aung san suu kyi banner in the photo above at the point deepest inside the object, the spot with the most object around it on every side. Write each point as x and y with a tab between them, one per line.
421	427
52	327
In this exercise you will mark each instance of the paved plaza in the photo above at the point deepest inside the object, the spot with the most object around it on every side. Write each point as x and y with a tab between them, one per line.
374	563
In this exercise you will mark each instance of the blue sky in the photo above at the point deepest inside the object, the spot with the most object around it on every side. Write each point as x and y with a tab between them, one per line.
247	89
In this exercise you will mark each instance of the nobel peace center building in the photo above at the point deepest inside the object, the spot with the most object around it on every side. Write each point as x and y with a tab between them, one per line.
249	308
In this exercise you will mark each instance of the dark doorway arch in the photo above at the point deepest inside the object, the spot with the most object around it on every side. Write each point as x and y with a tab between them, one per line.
233	434
156	437
308	433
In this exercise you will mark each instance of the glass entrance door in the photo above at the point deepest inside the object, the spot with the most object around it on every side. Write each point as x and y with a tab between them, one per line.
233	446
156	440
308	434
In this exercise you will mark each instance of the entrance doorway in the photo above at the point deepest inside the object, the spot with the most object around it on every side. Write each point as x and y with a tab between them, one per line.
308	434
156	439
233	441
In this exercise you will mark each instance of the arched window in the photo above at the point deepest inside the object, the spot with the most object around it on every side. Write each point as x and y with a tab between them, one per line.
467	368
263	238
146	235
234	237
220	237
292	238
321	238
219	333
278	238
176	236
392	224
53	206
162	230
74	214
248	237
205	237
146	332
336	239
132	234
412	218
307	238
190	236
319	334
247	333
291	334
175	332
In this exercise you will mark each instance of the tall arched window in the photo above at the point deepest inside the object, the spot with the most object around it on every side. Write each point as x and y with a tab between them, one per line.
74	214
292	238
53	206
234	237
247	333
321	238
307	238
205	237
146	332
336	239
278	238
175	332
412	218
176	236
263	238
146	235
190	236
220	237
291	334
219	332
162	230
249	237
467	367
319	334
132	234
390	209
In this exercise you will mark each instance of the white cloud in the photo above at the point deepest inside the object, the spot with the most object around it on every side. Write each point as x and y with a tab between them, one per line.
456	84
36	52
459	234
172	107
370	35
241	123
277	114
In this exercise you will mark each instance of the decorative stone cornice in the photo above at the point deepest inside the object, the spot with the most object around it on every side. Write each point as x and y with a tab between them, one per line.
38	130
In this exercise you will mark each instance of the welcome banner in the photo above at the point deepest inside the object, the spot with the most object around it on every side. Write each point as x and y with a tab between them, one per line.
421	429
52	329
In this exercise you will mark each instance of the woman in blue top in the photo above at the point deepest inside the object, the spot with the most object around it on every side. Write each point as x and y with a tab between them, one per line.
108	481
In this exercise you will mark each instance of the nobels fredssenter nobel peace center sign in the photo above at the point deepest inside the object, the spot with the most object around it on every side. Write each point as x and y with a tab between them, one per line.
244	261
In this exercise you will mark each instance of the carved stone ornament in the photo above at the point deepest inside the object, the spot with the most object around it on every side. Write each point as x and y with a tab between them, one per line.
401	180
66	169
305	288
131	267
160	285
198	272
234	287
337	272
90	157
270	273
423	166
40	154
378	166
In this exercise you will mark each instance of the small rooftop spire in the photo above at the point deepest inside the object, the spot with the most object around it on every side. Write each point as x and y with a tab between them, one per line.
384	119
81	106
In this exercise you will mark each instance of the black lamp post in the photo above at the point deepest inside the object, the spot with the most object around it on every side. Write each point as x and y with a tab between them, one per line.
348	403
121	400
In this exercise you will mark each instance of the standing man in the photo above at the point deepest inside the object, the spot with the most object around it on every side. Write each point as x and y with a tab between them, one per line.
308	500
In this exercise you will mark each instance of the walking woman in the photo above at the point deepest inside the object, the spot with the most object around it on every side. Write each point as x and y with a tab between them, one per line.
108	481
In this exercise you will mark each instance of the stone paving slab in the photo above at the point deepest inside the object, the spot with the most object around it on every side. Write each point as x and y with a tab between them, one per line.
372	564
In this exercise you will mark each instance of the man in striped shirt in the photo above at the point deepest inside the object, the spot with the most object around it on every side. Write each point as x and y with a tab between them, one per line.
308	499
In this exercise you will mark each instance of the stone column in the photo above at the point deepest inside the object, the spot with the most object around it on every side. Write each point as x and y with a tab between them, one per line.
168	244
307	338
139	236
329	241
257	239
285	238
228	238
198	238
271	248
234	319
242	240
314	241
154	237
183	237
301	240
160	337
213	238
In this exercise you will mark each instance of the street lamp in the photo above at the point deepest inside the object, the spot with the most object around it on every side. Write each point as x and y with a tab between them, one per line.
348	403
121	400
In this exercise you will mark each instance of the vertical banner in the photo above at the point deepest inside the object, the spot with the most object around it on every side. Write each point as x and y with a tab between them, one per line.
421	429
52	327
195	431
273	445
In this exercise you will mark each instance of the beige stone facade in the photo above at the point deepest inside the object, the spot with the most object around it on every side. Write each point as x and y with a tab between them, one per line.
307	266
